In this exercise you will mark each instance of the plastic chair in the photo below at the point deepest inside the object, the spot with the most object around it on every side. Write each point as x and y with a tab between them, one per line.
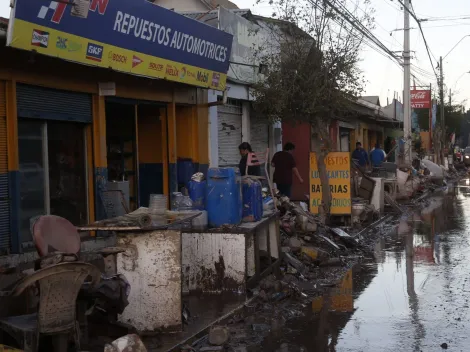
52	234
258	159
59	287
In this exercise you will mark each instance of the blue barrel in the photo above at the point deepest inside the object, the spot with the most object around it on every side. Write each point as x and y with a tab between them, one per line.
185	169
197	193
224	196
252	200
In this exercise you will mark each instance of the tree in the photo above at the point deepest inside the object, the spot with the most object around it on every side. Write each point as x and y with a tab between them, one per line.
312	59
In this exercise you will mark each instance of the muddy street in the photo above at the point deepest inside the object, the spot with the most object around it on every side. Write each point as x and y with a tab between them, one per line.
411	295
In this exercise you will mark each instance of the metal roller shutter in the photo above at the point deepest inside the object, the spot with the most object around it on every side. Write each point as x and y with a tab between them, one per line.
4	193
230	132
52	104
259	132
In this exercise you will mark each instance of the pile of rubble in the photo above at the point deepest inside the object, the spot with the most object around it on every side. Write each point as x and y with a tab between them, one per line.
315	259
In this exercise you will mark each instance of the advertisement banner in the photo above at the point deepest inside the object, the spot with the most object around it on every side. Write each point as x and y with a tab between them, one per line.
420	99
338	167
134	37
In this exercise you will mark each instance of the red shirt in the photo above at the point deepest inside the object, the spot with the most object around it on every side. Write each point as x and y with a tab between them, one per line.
283	163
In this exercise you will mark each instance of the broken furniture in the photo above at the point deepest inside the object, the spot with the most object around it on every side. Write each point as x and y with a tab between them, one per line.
151	264
58	290
230	258
366	188
57	240
259	159
52	235
377	199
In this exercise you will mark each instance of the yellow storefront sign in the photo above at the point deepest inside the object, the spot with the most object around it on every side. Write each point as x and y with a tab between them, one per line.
77	49
338	167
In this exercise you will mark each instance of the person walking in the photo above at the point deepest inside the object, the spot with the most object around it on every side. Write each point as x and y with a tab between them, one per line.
377	156
245	149
284	166
360	155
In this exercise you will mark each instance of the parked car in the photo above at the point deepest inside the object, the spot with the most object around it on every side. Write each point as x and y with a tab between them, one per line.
466	156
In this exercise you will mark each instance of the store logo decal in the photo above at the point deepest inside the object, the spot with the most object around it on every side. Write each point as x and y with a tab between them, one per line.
40	38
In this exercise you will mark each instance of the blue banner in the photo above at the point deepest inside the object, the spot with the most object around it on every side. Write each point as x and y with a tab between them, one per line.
434	114
133	36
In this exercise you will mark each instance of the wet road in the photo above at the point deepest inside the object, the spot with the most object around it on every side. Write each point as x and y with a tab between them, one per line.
412	296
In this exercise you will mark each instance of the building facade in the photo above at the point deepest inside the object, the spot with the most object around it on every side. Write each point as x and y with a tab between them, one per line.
366	123
69	132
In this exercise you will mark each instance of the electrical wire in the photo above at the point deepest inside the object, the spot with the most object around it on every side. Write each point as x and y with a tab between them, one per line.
384	29
366	32
389	3
358	26
373	40
411	12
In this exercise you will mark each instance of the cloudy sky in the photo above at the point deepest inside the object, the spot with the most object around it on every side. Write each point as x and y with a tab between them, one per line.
447	23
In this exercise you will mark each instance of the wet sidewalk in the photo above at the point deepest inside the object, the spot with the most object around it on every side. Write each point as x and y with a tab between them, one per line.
413	295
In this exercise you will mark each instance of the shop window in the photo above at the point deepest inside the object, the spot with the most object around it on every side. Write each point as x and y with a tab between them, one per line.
52	160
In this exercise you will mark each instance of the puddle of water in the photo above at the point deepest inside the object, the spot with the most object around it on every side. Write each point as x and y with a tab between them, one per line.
413	296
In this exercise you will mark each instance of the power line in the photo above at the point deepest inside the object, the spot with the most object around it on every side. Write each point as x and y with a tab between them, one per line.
384	29
422	33
389	3
359	26
364	31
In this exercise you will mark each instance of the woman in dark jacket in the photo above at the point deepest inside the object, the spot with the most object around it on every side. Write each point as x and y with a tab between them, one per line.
245	149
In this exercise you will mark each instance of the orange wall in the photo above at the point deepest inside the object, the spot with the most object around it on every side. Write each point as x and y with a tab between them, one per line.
186	133
150	134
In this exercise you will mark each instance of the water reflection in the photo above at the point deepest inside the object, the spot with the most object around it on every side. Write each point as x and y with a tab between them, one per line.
413	296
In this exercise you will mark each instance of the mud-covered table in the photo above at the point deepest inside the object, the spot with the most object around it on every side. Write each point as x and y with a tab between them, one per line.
230	258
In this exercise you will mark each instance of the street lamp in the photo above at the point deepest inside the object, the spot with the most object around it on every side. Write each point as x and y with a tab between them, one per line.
465	36
458	79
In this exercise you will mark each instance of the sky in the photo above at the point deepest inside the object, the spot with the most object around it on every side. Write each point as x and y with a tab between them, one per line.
383	77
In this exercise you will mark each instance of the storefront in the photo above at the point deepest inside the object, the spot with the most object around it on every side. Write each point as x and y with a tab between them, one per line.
68	131
52	154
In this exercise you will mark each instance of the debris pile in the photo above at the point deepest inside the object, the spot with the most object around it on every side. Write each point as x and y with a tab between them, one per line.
315	258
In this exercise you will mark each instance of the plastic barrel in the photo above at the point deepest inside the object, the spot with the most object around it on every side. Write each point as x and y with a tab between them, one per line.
223	196
197	193
252	200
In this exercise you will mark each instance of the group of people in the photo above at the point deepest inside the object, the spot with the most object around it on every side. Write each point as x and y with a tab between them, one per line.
375	158
283	163
285	167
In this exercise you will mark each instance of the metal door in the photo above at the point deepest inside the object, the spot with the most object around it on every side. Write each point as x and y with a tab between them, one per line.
5	237
229	132
52	104
259	133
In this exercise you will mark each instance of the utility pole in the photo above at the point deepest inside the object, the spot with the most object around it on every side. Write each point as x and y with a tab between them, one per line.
406	85
441	83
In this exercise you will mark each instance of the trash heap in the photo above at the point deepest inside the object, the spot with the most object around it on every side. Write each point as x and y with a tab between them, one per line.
425	175
315	258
